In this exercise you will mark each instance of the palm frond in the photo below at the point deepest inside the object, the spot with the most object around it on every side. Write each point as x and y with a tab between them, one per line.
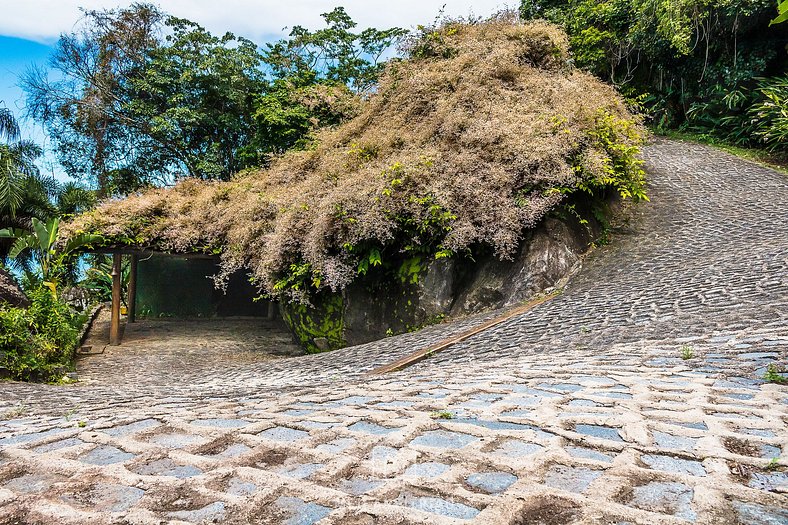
10	183
22	244
9	128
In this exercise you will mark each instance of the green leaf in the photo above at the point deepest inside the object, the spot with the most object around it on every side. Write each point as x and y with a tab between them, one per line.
780	19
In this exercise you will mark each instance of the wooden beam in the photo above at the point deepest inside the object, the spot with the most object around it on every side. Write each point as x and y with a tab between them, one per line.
143	252
114	324
132	294
424	353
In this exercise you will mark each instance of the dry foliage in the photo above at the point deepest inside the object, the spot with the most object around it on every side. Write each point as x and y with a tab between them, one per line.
467	142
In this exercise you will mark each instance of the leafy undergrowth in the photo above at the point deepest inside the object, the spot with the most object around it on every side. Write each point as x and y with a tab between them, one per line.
38	343
469	141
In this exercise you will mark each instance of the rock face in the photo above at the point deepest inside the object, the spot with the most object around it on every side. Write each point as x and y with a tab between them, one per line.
10	293
452	287
545	257
371	309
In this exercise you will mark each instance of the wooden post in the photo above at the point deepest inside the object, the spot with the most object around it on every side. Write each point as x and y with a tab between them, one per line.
132	295
271	310
114	324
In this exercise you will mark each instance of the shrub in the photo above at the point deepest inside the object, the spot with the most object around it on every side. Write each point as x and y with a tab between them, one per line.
770	114
38	342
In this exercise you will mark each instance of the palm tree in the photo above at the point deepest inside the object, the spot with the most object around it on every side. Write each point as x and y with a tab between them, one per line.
21	183
41	244
25	193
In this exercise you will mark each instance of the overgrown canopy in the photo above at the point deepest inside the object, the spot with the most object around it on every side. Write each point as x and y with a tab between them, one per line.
471	140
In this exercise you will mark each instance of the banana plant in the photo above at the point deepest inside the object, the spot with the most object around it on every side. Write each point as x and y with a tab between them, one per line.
42	244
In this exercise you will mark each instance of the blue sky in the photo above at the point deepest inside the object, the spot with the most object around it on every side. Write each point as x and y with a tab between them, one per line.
16	56
28	28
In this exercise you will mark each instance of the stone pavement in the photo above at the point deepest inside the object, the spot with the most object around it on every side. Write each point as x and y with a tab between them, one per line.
636	396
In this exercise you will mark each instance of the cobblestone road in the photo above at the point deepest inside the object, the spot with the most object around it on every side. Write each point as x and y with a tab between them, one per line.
582	410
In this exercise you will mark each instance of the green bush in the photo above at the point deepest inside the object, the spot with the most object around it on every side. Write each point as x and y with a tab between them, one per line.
38	342
712	68
770	114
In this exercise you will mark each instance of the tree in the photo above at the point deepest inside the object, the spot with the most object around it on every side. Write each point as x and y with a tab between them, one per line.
141	98
291	108
25	193
84	109
195	97
16	163
692	63
335	53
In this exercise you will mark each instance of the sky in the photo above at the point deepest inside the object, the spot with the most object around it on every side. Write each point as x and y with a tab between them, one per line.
28	28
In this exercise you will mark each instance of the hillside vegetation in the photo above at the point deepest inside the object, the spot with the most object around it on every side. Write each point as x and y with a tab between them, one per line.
469	141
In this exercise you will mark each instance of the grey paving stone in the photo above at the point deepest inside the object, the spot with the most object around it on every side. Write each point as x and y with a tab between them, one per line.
395	404
665	440
106	497
283	434
757	432
356	400
491	482
694	425
583	403
381	453
213	513
367	427
516	448
665	497
358	485
523	401
311	425
30	438
132	428
239	487
493	424
301	512
232	451
295	412
220	423
571	479
771	481
442	507
31	483
599	431
429	469
57	445
754	514
588	453
444	439
336	446
675	465
105	455
167	467
301	470
177	440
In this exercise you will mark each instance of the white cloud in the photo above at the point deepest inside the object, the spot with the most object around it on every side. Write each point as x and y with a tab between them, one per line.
259	20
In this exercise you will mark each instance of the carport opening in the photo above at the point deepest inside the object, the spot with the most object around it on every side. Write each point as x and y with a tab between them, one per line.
177	287
169	286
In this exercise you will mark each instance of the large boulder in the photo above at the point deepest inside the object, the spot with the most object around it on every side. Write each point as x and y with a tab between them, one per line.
546	256
10	292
